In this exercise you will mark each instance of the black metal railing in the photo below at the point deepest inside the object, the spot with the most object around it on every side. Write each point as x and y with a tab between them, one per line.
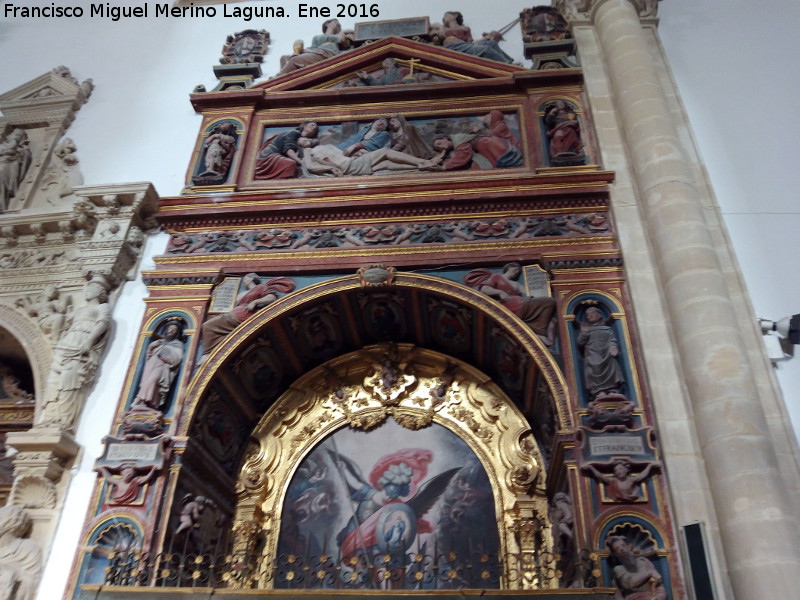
380	570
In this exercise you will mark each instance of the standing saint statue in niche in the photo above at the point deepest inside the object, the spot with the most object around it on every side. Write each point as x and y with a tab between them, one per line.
15	158
564	134
602	374
219	148
164	357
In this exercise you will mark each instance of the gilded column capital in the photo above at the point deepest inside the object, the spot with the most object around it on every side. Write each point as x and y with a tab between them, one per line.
583	11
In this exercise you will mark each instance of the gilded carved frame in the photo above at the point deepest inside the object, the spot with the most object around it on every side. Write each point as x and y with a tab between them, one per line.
349	391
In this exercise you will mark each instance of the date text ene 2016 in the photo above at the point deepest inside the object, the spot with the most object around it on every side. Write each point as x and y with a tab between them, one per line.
362	11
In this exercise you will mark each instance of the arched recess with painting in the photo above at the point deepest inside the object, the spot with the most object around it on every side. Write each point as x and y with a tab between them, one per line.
24	358
419	407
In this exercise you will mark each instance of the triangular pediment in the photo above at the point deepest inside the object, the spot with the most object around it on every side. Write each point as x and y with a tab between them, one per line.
437	65
52	98
45	86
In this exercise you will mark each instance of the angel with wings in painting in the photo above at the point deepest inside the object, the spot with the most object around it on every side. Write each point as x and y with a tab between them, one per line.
389	507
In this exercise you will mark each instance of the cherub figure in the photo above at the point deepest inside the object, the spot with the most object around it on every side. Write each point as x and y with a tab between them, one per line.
562	515
192	510
125	489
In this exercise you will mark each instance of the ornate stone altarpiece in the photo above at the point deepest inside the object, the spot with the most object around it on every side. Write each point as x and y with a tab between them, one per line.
417	239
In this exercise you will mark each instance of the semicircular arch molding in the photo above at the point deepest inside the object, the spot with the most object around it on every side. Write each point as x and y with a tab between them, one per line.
234	347
33	341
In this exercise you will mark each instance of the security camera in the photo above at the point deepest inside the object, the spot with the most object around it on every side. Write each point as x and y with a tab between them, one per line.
787	336
787	328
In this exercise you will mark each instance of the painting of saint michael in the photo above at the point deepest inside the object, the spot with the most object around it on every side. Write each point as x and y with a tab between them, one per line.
389	509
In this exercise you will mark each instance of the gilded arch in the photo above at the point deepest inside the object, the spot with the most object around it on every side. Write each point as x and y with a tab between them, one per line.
425	388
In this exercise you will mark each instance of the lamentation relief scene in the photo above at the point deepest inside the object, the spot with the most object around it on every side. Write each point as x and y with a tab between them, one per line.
389	145
346	378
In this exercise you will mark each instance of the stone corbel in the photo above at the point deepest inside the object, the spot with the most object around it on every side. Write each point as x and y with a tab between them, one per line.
39	233
10	235
41	458
111	202
66	230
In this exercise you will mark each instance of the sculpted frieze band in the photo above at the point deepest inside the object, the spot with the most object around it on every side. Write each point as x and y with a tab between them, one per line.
451	232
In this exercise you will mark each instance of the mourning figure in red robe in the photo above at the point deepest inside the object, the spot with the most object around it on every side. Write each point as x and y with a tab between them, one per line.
258	295
479	148
538	313
280	156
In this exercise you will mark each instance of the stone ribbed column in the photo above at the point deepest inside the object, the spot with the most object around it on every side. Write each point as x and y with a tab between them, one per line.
761	541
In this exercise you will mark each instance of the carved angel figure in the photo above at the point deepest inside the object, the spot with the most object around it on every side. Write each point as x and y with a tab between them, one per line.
193	509
622	486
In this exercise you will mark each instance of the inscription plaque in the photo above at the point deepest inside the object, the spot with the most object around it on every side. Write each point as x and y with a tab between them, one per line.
536	282
373	30
225	295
